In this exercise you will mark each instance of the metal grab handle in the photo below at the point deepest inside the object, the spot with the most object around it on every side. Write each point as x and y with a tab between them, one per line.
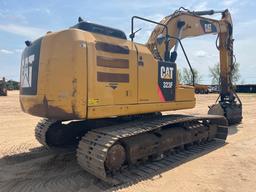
157	23
166	42
184	52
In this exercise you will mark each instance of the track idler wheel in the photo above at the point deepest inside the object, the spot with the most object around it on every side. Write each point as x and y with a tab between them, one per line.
115	157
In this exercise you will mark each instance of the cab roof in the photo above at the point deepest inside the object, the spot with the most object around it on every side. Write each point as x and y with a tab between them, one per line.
100	29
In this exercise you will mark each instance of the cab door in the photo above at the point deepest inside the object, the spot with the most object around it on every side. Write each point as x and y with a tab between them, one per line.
147	76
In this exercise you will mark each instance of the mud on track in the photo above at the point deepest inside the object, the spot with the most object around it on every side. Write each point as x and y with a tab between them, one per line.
27	166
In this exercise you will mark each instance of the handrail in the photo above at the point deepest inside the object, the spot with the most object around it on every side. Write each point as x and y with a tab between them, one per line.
167	38
151	21
184	52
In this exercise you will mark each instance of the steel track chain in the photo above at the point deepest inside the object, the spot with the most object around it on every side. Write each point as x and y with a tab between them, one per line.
93	147
41	129
150	169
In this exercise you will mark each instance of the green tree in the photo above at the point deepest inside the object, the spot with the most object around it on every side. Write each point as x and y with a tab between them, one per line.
215	73
12	85
179	76
186	76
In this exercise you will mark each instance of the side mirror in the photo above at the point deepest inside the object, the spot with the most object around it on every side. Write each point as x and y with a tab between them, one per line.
132	35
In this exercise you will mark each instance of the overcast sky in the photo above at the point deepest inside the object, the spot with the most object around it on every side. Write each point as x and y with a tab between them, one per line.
30	19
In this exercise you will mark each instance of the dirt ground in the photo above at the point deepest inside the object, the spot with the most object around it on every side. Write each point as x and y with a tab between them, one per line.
27	166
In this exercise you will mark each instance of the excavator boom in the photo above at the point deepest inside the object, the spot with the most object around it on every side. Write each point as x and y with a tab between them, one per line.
183	24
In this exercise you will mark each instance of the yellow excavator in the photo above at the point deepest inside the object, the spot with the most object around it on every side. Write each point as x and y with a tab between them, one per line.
96	89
